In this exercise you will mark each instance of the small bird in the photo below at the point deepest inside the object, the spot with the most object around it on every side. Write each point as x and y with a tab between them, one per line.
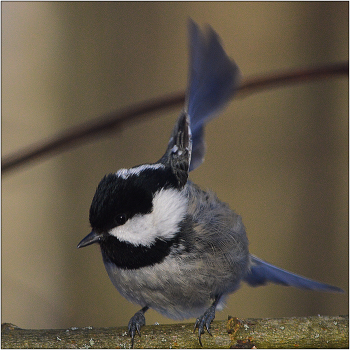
166	244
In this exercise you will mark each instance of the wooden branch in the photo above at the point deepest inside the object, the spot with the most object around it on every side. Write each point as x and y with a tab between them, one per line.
111	122
294	332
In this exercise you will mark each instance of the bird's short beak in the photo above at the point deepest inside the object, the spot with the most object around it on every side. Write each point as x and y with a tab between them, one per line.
91	238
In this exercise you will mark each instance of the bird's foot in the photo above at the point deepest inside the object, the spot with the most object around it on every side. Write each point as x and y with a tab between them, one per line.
204	321
135	324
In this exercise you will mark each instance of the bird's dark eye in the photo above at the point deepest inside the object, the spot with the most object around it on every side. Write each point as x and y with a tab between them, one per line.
120	219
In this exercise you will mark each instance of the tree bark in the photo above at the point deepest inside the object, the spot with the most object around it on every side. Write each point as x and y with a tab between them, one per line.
294	332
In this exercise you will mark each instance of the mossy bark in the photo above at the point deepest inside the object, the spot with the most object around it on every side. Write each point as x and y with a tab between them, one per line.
294	332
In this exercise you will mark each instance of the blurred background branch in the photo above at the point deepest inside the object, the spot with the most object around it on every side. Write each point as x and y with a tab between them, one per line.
110	122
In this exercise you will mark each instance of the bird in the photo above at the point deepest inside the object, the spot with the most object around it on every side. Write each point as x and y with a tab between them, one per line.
167	244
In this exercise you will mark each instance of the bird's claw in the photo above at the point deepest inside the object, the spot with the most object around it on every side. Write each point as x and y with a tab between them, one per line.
135	324
204	321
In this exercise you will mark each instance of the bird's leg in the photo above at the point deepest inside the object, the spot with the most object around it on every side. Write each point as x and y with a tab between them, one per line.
206	319
136	322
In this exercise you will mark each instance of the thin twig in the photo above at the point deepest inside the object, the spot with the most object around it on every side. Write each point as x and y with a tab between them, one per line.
293	76
116	120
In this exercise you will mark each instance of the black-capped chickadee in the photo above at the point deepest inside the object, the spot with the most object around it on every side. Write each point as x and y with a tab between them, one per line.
167	244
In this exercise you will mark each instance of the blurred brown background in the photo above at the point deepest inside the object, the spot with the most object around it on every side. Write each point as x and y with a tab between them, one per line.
278	157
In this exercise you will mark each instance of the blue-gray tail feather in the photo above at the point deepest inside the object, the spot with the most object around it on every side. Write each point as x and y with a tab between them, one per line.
213	78
262	272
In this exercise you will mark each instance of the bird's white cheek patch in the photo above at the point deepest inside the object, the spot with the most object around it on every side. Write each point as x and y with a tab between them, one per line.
169	209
